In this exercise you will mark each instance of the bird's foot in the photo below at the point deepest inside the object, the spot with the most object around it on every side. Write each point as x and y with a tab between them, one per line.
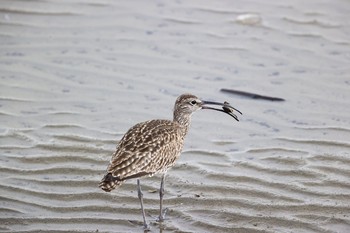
146	227
162	215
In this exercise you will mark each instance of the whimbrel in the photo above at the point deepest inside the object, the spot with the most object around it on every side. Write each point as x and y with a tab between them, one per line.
153	146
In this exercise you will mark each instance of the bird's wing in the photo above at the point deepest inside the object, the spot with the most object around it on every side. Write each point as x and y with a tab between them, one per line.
147	148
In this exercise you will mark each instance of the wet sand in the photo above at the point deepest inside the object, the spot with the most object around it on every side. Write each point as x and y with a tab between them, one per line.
75	75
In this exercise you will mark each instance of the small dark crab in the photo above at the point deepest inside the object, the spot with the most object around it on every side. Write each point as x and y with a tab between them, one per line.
229	110
226	108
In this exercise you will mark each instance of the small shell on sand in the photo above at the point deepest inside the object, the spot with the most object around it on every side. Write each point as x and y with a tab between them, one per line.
248	19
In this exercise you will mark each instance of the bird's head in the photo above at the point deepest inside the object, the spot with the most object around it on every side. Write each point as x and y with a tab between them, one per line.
187	104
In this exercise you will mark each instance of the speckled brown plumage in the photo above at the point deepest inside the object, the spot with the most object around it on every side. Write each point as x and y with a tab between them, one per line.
147	148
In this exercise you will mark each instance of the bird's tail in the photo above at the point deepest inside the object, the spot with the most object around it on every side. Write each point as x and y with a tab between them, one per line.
109	182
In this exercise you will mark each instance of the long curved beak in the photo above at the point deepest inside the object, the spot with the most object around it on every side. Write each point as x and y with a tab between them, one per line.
226	108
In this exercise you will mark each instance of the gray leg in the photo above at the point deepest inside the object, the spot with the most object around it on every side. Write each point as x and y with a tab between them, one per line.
162	212
140	195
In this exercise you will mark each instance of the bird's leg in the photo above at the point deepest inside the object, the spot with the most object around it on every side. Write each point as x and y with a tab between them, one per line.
140	195
162	212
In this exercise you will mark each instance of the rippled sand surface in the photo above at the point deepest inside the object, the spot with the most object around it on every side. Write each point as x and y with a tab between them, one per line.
75	75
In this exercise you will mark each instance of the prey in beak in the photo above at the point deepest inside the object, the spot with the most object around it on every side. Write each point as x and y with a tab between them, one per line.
225	107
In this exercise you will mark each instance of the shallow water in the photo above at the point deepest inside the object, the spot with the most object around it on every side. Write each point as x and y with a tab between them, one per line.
75	75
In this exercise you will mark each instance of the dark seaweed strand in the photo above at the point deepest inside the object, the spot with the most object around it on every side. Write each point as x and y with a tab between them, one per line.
251	95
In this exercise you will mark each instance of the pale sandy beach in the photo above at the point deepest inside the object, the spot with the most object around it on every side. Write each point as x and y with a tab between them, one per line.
76	75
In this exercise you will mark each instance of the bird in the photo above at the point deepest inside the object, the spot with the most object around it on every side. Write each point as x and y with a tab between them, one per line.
152	147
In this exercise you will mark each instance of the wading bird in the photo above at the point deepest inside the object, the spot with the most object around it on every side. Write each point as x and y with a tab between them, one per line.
153	146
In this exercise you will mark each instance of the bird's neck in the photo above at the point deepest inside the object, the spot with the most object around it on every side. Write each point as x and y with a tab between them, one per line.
184	122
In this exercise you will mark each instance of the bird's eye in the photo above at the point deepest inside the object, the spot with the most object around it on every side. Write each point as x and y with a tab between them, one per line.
193	102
